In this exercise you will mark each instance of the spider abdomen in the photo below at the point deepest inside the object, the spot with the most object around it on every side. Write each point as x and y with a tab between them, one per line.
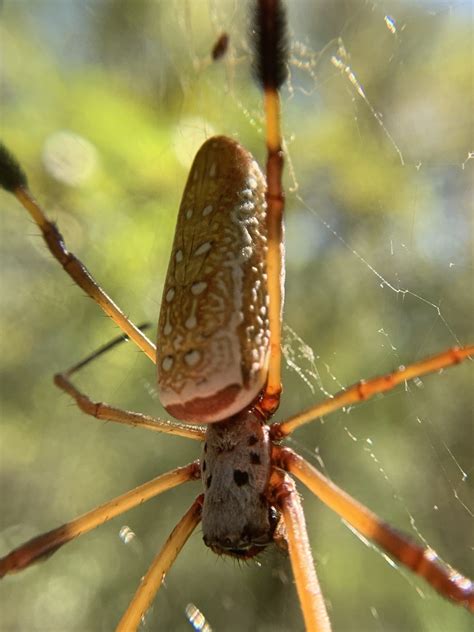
213	331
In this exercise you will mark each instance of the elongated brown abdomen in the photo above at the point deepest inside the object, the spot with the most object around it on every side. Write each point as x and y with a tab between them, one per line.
213	331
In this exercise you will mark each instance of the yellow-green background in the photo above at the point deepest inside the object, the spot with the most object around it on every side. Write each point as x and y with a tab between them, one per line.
133	79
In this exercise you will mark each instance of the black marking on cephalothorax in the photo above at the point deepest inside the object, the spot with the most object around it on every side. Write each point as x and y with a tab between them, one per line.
205	447
252	440
255	458
204	466
241	477
208	481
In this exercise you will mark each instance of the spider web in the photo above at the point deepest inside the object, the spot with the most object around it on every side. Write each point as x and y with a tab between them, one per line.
378	131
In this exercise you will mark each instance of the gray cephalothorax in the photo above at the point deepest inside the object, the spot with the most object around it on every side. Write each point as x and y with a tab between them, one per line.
237	517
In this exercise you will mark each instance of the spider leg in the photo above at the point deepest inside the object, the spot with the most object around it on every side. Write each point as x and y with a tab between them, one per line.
46	544
270	58
104	411
364	390
275	254
421	560
14	180
311	599
160	566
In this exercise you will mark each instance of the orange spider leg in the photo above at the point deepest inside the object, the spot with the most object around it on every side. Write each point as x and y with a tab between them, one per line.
275	253
104	411
421	560
307	584
44	545
160	566
271	73
364	390
14	180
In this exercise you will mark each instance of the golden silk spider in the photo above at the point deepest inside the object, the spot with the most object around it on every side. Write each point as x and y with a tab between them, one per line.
218	315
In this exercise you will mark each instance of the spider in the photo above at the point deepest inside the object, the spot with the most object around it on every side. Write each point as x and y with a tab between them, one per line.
242	452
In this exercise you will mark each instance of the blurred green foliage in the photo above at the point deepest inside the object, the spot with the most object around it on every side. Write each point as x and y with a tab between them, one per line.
379	273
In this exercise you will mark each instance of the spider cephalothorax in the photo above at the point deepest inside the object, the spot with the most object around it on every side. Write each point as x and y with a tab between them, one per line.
237	516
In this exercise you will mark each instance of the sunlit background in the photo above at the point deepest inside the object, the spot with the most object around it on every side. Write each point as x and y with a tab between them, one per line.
105	104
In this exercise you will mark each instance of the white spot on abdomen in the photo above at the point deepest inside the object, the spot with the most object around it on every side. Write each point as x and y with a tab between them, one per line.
198	287
167	363
202	249
192	357
191	322
246	193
